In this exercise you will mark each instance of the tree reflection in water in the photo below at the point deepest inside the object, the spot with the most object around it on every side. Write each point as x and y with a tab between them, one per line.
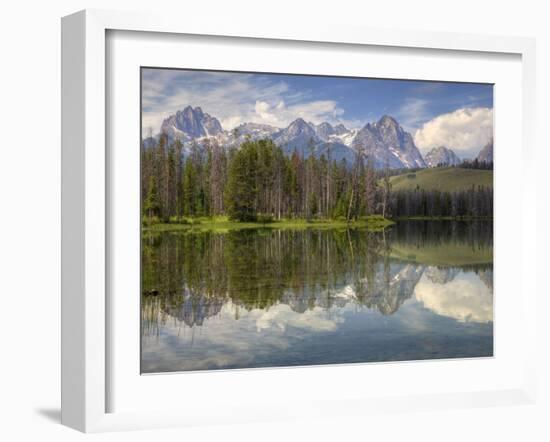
189	277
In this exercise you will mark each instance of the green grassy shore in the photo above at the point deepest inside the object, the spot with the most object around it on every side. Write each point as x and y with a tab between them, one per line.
443	218
223	223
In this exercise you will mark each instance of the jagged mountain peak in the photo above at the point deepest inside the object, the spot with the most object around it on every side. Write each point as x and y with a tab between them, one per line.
387	120
190	123
486	154
325	130
299	122
328	132
254	131
190	112
390	128
190	108
385	141
326	125
300	127
440	156
340	129
254	126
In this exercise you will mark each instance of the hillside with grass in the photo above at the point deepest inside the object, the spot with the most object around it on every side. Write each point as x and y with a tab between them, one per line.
446	179
442	254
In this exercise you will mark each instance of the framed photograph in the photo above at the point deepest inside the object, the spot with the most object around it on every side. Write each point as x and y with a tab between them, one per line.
249	214
290	232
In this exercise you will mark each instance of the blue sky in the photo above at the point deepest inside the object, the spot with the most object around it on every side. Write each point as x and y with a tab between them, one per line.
455	114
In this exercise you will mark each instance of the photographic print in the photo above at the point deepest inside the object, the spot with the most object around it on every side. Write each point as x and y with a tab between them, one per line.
299	220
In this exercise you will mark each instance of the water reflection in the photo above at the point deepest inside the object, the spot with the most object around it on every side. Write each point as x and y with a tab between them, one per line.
256	298
464	297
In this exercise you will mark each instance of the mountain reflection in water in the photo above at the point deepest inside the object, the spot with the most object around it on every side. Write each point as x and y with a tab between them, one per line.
261	298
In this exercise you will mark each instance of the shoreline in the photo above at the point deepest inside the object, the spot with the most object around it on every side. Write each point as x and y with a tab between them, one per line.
374	223
443	218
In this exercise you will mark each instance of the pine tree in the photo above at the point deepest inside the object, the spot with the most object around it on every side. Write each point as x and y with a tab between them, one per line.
151	205
386	191
189	189
178	147
171	182
241	190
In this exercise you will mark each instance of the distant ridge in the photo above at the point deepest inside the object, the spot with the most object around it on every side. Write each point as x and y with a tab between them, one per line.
383	142
441	156
486	154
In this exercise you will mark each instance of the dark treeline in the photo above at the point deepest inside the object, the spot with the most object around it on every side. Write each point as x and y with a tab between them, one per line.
476	164
474	202
257	181
420	234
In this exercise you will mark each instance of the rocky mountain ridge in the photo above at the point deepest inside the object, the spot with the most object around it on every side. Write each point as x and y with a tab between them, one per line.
486	154
383	142
441	156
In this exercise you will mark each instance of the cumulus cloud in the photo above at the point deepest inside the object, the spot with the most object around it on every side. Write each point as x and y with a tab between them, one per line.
233	98
466	298
282	316
465	131
226	341
225	96
277	113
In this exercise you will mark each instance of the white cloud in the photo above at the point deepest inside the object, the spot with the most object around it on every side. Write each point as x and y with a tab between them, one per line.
465	130
282	316
223	95
151	122
277	113
226	341
466	298
232	98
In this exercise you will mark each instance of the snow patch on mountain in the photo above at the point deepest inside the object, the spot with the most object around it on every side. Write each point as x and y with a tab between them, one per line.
384	142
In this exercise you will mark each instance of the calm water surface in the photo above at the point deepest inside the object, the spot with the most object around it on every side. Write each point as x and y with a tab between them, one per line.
264	298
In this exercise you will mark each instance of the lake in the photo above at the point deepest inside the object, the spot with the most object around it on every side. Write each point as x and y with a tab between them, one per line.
280	297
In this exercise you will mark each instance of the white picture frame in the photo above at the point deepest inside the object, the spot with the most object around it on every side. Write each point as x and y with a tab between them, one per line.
85	233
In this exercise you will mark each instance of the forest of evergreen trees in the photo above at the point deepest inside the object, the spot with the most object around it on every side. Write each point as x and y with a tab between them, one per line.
476	164
258	182
474	202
